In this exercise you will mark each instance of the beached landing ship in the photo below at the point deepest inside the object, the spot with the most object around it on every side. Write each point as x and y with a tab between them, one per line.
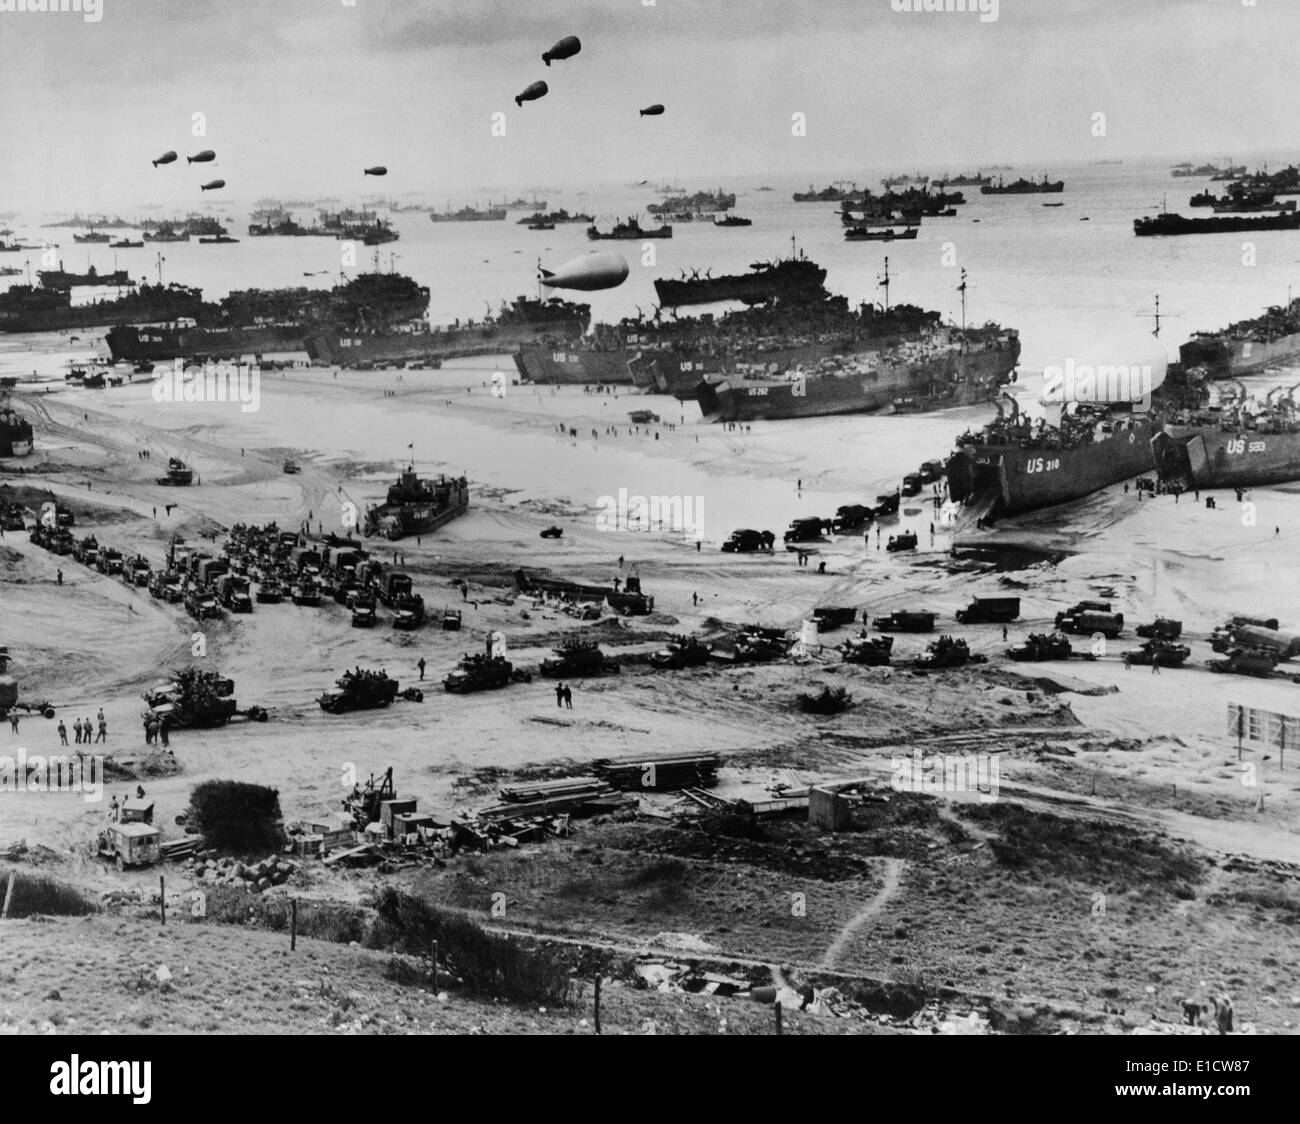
416	506
1237	447
1014	466
1248	345
947	369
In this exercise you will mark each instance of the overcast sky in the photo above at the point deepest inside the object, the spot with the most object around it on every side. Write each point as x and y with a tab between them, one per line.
300	95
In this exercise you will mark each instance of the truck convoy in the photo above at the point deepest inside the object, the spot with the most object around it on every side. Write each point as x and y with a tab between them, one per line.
990	610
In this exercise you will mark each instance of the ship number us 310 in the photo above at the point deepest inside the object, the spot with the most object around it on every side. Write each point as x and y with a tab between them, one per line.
1042	464
1238	445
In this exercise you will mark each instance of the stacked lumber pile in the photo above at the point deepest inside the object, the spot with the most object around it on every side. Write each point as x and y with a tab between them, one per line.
664	774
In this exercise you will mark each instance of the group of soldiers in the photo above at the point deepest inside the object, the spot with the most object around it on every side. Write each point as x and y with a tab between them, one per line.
84	731
155	730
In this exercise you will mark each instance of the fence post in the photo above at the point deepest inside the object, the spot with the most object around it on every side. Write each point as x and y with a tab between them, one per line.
162	896
597	1006
9	893
435	969
293	924
776	1008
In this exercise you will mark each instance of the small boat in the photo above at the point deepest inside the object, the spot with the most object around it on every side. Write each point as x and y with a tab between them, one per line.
127	244
733	220
888	234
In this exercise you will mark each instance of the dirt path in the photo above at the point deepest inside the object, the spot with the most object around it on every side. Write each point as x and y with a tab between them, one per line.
893	875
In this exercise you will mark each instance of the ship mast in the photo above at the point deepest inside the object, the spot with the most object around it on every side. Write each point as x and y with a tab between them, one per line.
962	289
160	261
884	283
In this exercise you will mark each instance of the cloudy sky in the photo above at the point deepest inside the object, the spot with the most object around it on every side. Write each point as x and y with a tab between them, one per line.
300	95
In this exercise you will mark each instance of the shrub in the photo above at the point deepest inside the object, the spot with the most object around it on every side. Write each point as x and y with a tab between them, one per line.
34	893
487	963
236	815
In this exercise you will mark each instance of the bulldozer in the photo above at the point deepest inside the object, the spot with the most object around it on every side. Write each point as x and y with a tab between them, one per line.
362	689
576	658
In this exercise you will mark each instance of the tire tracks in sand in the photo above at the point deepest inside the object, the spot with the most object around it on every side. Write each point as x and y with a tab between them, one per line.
893	876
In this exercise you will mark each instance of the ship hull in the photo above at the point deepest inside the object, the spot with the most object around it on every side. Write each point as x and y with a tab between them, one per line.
153	343
560	366
1203	457
1223	224
749	288
345	350
1230	357
930	384
92	315
1016	479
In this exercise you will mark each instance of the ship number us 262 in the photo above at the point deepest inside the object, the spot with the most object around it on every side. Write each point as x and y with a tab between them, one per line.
1042	464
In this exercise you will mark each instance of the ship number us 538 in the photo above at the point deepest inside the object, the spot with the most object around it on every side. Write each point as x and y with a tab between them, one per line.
1238	445
1042	464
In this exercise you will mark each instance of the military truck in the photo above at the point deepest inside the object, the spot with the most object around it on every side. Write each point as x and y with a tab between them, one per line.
393	585
852	517
408	611
269	590
1040	647
483	673
946	652
87	551
208	571
362	689
809	529
752	644
631	601
1258	662
451	619
829	618
931	471
196	699
201	604
906	540
179	474
872	651
109	560
129	844
990	610
906	620
234	593
576	658
1162	628
748	541
1086	622
363	611
912	484
166	585
137	571
1165	653
888	504
305	591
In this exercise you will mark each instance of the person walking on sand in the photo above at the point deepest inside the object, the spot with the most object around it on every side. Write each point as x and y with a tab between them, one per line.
1155	665
1128	661
568	697
420	665
103	731
59	577
63	733
559	694
76	729
13	721
1004	632
162	731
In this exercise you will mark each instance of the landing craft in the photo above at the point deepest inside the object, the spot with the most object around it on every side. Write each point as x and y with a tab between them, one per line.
377	170
165	158
204	157
213	185
566	48
606	270
652	110
535	91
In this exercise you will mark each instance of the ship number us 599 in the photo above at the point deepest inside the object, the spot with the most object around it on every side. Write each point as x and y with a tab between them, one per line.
1042	464
1238	445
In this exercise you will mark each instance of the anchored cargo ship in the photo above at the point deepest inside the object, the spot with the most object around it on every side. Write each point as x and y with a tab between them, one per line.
1023	187
1248	345
61	279
416	506
1167	224
629	231
947	369
1013	465
764	281
15	432
469	214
